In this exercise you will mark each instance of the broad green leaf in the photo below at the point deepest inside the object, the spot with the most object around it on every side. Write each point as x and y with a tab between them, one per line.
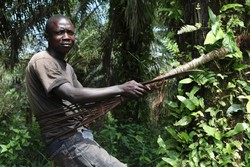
248	107
234	108
161	142
238	144
210	153
237	129
194	90
181	98
210	38
201	102
248	3
193	145
212	16
248	103
228	41
188	103
185	136
172	105
213	112
198	113
186	81
195	100
171	131
183	121
16	130
172	162
244	84
230	6
230	85
215	27
219	34
4	148
228	148
219	144
210	131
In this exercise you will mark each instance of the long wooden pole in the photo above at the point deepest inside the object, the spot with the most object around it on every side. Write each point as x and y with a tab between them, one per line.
103	107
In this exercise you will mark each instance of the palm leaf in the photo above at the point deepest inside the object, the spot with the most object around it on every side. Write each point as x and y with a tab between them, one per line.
189	28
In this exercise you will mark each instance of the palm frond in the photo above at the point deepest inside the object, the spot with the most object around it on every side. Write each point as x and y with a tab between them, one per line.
18	18
189	28
170	46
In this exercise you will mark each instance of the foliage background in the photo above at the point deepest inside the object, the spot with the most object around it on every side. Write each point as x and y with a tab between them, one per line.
197	120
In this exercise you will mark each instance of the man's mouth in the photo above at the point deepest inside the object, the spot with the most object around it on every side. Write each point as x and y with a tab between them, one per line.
66	44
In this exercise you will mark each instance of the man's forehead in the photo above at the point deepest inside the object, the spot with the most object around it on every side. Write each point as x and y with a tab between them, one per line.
62	23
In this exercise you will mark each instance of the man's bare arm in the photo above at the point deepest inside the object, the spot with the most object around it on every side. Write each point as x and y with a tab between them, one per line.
129	89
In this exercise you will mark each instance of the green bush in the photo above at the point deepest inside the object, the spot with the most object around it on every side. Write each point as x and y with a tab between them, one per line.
134	144
20	143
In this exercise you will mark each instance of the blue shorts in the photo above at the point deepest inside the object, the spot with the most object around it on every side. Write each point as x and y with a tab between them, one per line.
81	150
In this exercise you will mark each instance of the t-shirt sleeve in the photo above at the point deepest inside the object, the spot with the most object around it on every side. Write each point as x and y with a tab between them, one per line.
76	83
49	74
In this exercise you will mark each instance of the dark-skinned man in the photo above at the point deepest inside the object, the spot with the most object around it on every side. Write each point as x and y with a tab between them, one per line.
52	84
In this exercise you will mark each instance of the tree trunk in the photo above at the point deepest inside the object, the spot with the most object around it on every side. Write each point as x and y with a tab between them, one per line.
196	11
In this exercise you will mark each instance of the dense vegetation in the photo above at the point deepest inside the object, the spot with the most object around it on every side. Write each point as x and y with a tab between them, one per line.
197	120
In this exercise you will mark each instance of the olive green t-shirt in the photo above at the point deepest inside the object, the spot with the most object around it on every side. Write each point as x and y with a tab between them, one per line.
43	74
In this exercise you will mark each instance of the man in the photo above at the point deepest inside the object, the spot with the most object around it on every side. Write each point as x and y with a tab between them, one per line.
53	86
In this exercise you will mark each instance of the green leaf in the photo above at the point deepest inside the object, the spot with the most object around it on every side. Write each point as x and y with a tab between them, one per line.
186	81
193	146
198	113
161	142
215	28
210	153
210	131
185	136
213	112
195	101
229	42
201	102
230	6
188	103
219	144
237	129
212	16
248	3
248	103
183	121
16	130
219	34
171	131
234	108
228	149
189	28
172	162
193	91
230	85
4	148
244	85
248	107
210	38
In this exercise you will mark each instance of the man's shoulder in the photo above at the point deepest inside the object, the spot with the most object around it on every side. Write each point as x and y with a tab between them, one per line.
41	54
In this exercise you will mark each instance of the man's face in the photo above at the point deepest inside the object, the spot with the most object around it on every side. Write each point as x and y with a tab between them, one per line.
61	36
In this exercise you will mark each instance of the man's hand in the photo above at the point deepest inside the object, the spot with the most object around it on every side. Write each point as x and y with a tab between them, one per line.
133	89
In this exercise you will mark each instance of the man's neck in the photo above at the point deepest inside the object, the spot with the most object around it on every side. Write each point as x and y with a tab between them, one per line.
55	54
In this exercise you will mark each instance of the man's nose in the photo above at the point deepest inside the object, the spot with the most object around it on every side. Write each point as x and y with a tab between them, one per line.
65	35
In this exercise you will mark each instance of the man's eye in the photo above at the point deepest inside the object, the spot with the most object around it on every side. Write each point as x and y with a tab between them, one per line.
71	33
59	32
63	32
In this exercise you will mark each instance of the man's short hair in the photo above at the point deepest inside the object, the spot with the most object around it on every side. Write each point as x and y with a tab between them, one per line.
52	19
